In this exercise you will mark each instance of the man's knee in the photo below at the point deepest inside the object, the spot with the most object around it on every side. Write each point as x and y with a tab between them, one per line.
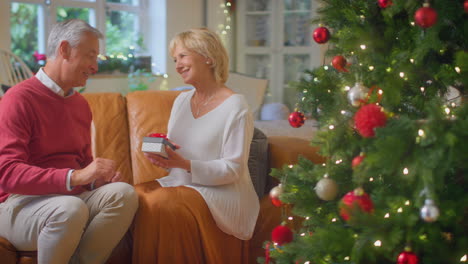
124	193
71	211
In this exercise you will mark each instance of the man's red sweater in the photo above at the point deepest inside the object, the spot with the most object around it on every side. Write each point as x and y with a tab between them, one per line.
42	137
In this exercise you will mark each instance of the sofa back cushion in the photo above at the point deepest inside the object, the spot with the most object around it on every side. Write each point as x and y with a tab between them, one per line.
148	112
109	133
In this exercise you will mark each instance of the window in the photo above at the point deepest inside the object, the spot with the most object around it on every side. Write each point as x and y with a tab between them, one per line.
118	20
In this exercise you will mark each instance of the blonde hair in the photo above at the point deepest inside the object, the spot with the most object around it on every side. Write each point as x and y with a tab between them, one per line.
208	44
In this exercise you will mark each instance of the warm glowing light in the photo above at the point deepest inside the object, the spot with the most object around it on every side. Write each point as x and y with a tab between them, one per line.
290	166
316	79
343	112
421	133
387	215
363	47
402	74
325	67
407	202
371	179
400	210
463	259
334	220
328	91
380	91
346	258
422	89
411	60
412	23
303	234
378	243
307	218
405	171
447	110
457	69
371	68
331	127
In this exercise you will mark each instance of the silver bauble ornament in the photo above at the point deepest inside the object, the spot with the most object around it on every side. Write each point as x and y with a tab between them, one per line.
453	96
357	94
326	189
276	191
429	212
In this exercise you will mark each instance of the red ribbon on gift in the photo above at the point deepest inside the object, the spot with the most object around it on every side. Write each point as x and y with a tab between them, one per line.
159	135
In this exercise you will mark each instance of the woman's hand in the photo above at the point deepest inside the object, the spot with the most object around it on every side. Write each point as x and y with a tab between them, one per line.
174	159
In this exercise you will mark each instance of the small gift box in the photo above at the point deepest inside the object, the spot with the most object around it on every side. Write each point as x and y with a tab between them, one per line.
155	144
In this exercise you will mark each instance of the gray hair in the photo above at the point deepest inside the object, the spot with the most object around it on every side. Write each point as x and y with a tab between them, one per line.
70	31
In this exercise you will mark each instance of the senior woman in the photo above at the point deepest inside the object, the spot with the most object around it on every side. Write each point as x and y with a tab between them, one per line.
207	205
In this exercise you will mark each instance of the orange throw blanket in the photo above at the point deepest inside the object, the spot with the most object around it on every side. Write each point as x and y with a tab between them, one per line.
174	225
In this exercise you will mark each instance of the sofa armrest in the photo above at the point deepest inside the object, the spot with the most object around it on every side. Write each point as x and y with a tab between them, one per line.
286	150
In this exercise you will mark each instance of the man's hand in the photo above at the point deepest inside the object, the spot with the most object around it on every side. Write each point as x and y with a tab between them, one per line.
98	170
116	178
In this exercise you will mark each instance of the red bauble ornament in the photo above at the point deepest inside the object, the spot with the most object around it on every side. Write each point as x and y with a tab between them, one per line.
407	257
321	35
425	16
357	160
339	63
368	118
296	119
385	3
465	5
281	235
355	200
275	193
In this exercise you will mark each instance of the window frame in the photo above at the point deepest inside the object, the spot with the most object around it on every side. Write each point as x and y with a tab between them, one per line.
48	16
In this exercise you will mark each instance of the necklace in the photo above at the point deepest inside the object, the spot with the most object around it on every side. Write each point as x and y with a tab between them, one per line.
200	105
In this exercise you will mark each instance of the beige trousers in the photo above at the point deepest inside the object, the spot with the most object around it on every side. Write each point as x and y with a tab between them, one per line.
69	229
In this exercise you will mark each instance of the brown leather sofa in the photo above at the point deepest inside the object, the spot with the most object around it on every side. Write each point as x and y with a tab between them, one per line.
119	124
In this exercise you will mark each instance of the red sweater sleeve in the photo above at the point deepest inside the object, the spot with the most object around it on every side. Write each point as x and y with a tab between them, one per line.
16	174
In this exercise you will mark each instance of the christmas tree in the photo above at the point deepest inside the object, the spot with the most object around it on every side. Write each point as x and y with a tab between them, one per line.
393	127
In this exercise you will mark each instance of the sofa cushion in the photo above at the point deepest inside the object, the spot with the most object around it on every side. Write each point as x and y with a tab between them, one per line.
148	112
258	161
109	133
